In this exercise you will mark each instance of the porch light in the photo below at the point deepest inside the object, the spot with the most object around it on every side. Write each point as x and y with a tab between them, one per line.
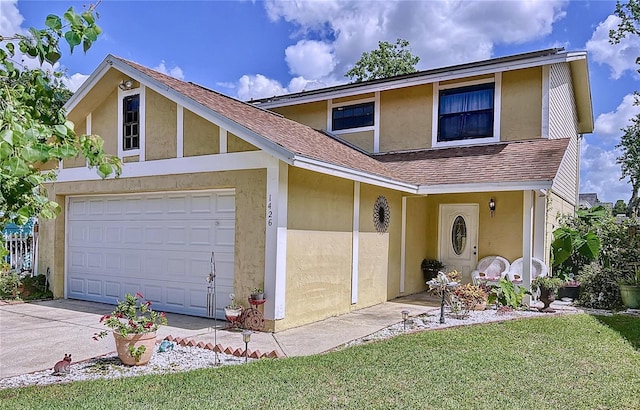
405	316
126	85
492	206
246	337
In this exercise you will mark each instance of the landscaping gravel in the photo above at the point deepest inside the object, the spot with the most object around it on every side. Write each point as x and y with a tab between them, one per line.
179	359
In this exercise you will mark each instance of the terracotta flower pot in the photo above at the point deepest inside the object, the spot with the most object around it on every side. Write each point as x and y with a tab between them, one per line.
123	344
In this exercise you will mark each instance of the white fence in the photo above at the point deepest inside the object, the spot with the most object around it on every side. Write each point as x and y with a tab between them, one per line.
21	251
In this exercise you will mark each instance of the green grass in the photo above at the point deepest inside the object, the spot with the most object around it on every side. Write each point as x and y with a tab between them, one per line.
560	362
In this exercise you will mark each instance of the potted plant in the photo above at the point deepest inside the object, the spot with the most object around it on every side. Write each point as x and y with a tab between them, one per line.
257	294
548	286
233	310
430	268
134	325
630	290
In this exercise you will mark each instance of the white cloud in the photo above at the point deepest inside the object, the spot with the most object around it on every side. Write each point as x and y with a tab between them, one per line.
10	18
258	86
75	81
440	33
310	59
609	124
175	71
619	57
600	173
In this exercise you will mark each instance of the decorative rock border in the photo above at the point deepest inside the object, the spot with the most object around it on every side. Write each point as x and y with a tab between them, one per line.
256	354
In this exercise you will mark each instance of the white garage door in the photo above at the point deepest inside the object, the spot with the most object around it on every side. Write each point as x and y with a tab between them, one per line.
158	244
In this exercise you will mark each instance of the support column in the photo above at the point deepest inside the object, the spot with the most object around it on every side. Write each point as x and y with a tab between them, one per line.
179	131
403	244
355	245
275	260
539	239
527	240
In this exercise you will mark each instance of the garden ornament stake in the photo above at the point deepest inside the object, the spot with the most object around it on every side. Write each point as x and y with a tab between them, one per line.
441	284
212	310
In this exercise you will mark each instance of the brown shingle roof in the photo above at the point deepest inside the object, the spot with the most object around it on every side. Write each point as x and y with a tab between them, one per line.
534	160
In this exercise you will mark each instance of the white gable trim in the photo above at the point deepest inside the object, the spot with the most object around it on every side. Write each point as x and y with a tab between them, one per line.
180	99
174	166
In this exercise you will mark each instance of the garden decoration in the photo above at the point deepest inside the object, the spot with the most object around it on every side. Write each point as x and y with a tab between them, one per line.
212	308
441	284
134	325
232	312
165	346
63	367
548	287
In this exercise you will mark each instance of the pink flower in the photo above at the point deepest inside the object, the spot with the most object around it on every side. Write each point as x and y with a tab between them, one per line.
148	303
162	314
105	317
139	295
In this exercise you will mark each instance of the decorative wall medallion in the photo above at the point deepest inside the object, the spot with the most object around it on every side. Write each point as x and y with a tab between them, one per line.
381	214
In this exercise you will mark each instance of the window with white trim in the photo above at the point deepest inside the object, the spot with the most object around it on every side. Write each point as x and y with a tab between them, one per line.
352	116
131	122
466	112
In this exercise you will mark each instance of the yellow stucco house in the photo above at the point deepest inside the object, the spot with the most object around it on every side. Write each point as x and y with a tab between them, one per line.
329	199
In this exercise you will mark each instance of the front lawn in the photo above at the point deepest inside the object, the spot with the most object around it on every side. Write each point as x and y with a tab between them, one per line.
561	362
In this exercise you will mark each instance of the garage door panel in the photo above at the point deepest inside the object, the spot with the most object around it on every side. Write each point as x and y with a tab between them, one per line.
94	287
112	290
158	244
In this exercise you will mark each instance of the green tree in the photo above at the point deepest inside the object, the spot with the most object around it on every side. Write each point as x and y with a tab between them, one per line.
629	161
34	129
619	208
387	61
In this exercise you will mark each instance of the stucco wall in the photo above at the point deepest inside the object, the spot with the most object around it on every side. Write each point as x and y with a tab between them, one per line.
80	127
379	253
160	126
200	136
312	114
363	139
416	244
235	144
104	122
405	118
521	104
319	243
250	218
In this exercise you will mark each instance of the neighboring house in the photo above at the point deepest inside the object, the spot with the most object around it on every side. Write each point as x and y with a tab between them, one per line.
589	200
326	221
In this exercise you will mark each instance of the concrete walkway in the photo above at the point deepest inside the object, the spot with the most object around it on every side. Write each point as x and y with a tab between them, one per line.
34	336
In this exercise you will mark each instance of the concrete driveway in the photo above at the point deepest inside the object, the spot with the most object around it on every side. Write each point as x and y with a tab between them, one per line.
34	336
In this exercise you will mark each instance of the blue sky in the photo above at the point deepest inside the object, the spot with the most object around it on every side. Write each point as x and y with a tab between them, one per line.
262	48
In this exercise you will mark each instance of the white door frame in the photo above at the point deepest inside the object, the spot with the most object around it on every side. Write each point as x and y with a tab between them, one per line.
470	213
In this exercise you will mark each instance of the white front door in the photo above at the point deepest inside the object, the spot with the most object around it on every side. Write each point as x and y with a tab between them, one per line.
458	238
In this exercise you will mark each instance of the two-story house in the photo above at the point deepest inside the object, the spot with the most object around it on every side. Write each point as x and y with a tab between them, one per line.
329	199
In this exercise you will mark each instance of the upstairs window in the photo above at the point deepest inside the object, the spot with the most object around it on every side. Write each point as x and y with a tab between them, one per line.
352	116
131	122
466	113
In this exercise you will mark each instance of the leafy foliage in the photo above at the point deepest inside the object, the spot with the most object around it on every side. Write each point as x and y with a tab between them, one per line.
34	130
577	242
620	208
506	293
629	161
387	61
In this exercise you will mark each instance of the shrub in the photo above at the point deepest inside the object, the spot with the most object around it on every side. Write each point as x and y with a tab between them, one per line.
9	283
35	287
507	294
600	286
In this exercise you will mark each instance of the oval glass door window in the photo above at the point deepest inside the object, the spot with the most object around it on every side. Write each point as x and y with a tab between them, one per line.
459	235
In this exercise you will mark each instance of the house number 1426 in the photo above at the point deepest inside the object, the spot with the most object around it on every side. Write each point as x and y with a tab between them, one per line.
269	212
